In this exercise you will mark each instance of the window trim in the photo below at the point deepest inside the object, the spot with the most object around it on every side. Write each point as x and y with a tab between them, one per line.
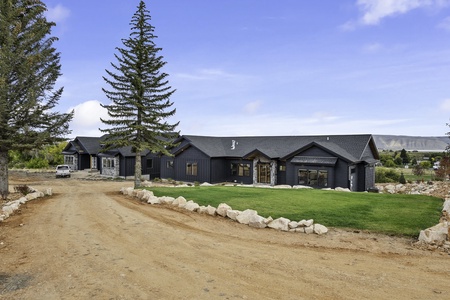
191	168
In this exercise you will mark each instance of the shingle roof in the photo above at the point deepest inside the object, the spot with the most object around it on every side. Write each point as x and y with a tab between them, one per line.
91	145
350	147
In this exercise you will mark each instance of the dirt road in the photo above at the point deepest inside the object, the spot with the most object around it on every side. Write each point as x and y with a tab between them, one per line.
89	242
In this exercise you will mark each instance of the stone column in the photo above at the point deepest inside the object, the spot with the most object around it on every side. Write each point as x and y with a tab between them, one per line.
273	172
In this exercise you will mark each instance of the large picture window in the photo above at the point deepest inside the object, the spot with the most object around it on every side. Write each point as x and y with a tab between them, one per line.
191	169
240	169
315	178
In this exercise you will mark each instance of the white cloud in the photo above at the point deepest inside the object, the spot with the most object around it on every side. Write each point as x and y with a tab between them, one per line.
57	14
252	107
208	74
86	120
372	48
375	10
272	124
445	105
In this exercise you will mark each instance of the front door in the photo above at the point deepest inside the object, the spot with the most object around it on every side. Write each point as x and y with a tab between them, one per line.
263	173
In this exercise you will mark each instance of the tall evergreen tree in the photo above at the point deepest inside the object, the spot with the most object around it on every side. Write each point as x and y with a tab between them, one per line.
29	68
140	95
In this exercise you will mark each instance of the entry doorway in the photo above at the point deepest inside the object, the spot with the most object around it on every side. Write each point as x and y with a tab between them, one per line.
264	173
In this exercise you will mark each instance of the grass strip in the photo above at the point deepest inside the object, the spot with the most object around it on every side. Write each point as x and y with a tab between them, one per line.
394	214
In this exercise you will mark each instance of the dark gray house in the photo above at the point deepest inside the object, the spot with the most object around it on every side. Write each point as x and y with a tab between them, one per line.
85	153
82	153
318	161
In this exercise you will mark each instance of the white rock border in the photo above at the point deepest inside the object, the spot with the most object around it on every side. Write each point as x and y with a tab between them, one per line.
12	206
440	233
248	217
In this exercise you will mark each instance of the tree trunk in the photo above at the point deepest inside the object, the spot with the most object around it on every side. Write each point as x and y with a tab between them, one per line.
4	174
137	170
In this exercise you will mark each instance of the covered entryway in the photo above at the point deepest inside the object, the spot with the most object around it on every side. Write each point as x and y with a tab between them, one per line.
263	173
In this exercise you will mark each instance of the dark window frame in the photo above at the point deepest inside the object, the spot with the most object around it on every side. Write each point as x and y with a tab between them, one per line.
191	168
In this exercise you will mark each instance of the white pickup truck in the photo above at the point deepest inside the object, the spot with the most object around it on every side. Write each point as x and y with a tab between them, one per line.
62	171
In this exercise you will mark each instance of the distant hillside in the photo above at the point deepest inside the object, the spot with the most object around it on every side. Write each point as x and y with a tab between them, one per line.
411	143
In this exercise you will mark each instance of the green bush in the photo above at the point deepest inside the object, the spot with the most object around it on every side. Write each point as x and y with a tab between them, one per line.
385	175
402	179
390	163
37	163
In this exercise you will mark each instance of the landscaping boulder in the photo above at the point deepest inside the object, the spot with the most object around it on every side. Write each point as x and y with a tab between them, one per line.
305	223
7	211
153	200
191	206
179	201
222	209
309	229
245	216
232	214
302	187
202	210
340	189
129	191
293	225
166	200
211	210
257	221
280	224
446	206
320	229
437	234
140	194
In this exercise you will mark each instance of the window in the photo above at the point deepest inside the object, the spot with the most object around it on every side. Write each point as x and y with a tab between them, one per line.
149	163
169	164
282	168
240	169
191	169
68	160
108	162
323	178
317	178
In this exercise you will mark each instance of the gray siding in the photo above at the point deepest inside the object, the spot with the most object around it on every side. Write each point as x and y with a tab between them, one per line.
153	170
192	155
167	171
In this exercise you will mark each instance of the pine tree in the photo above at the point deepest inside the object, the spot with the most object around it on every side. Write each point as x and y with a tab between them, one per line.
140	95
29	68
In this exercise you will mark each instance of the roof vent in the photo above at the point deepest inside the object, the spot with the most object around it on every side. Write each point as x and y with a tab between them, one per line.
233	144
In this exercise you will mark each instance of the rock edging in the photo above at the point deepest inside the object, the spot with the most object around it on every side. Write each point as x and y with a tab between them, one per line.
248	217
439	234
12	206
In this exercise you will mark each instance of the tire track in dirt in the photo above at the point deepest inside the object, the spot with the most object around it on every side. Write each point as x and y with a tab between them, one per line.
88	241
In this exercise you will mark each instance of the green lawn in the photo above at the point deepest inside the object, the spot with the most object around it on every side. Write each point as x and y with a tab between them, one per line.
384	213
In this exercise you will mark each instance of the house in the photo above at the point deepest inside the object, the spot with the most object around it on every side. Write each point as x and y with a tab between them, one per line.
85	153
82	153
326	161
318	161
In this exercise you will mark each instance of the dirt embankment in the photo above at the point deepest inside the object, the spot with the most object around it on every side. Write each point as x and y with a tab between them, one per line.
89	242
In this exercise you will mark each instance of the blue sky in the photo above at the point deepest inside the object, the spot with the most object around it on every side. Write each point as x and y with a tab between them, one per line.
266	67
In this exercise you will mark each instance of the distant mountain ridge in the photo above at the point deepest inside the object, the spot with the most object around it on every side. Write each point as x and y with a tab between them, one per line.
411	143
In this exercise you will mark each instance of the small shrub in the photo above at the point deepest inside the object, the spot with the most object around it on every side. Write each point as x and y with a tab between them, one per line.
22	189
385	175
196	183
402	179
